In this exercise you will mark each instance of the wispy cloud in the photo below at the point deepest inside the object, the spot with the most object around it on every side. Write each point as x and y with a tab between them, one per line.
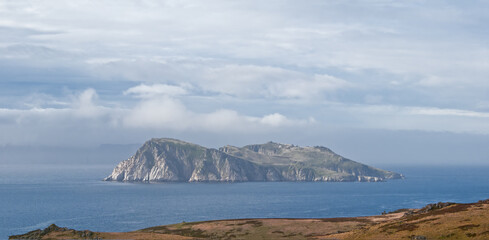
447	112
149	91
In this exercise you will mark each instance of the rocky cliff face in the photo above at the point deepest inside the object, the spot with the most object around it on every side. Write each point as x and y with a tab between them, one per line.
160	160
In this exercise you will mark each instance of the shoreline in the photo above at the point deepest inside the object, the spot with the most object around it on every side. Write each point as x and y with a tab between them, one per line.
434	221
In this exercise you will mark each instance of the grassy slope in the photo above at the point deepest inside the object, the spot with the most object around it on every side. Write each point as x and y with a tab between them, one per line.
455	221
322	160
458	221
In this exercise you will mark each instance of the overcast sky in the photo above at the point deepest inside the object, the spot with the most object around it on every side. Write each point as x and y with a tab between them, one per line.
355	75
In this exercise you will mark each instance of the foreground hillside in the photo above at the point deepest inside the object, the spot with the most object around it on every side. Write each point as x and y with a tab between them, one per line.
165	159
435	221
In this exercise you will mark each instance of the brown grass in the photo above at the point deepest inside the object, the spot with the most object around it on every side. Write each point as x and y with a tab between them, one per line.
436	221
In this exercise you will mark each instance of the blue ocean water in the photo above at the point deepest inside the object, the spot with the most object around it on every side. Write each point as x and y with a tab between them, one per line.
33	197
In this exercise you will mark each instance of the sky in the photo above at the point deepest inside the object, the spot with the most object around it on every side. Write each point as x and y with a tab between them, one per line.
380	81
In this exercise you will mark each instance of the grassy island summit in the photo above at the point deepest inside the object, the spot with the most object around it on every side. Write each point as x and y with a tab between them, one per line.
172	160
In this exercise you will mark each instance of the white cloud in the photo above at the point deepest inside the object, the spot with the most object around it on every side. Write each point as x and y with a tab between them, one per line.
170	113
251	81
244	80
222	120
275	119
149	91
86	117
414	118
98	61
314	34
308	88
261	65
432	81
447	112
84	105
158	113
243	38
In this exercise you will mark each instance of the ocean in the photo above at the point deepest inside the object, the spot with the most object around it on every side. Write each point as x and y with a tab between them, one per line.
35	196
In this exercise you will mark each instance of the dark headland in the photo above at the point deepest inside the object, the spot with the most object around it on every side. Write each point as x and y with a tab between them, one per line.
172	160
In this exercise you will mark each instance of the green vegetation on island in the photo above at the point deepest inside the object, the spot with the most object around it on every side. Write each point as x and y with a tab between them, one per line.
166	159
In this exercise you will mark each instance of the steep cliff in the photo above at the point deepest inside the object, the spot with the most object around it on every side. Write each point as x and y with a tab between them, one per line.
164	159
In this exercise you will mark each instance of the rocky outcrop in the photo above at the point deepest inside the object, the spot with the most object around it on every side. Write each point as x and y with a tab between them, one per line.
42	234
162	160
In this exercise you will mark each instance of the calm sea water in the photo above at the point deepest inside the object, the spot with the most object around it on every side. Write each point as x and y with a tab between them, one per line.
73	196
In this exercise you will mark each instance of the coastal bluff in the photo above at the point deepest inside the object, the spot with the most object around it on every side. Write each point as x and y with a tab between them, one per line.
172	160
443	220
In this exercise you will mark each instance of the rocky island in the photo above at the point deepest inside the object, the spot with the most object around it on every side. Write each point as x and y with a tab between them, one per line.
172	160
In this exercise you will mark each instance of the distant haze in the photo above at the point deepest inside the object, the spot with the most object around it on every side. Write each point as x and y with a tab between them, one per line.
380	81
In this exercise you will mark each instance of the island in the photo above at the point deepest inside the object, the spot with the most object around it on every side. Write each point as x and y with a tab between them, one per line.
172	160
434	221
